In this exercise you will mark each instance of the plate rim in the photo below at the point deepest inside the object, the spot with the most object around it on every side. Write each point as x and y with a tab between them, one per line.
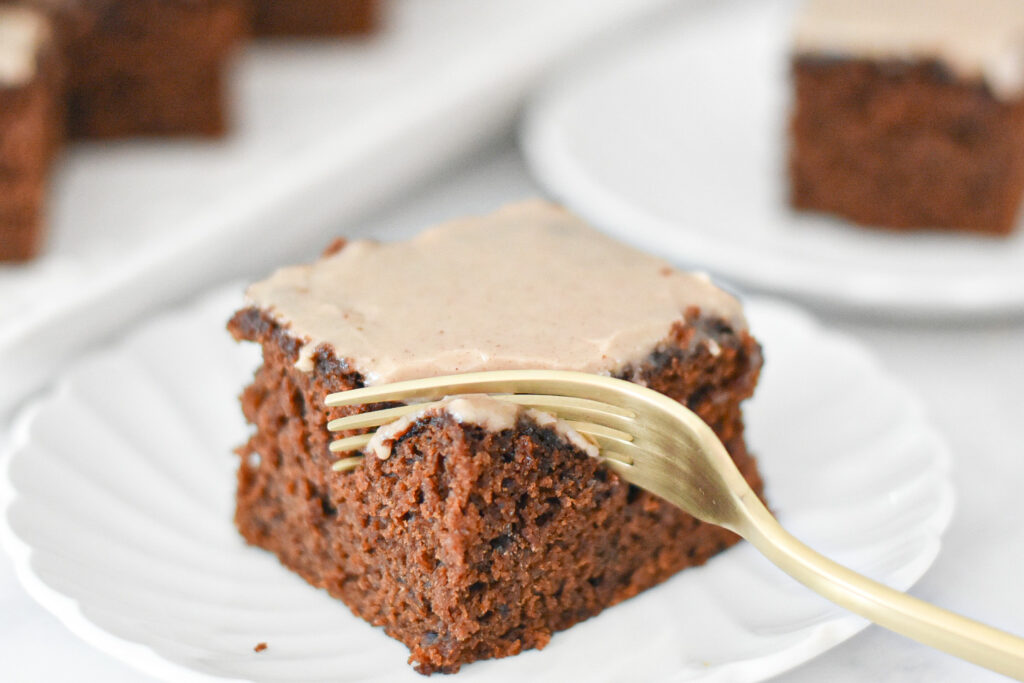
67	609
562	176
810	641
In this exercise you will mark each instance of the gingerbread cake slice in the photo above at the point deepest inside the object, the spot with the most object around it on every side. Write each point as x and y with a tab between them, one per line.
477	529
315	17
30	126
147	67
910	114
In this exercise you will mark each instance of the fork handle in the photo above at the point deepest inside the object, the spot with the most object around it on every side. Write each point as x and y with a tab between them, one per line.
939	628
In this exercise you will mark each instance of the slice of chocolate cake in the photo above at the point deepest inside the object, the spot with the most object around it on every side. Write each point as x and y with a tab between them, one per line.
477	529
315	17
147	67
30	128
910	113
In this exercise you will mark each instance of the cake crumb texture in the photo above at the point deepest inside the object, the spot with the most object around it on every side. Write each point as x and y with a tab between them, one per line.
905	146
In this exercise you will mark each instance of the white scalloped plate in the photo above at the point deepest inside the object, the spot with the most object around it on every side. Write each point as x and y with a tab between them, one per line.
119	522
676	141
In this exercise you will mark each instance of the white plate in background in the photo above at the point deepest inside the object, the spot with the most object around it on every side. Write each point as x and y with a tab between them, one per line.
676	141
325	131
121	480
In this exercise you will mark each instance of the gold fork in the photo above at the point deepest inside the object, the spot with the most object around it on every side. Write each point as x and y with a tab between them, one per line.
656	443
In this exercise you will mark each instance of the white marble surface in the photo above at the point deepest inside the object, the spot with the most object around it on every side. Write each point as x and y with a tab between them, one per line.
970	378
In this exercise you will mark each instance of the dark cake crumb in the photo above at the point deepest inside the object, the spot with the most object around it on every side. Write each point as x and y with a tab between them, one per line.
315	17
260	647
904	145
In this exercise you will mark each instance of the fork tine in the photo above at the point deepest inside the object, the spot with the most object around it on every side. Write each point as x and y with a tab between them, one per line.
616	458
553	383
376	418
565	407
568	406
618	450
598	433
346	464
350	443
397	391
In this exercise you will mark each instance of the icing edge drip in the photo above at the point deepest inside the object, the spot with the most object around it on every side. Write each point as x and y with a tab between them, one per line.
528	287
975	39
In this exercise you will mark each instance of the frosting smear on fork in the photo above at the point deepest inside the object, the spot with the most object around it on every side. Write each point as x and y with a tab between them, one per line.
481	410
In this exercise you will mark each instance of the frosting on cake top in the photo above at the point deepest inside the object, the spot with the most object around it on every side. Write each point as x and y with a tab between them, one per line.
529	286
22	33
976	39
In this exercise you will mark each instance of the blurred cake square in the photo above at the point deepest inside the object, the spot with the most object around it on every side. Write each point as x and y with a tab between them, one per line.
910	113
30	127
